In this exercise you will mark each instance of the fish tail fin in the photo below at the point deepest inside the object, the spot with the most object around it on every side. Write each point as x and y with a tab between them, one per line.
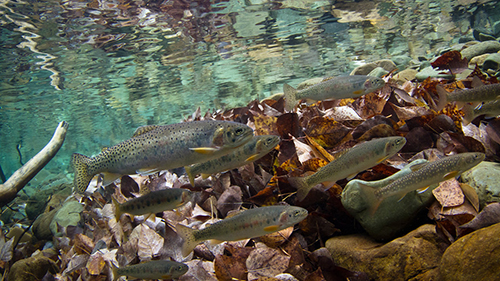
189	241
290	96
80	164
443	97
118	211
468	114
301	185
189	174
371	199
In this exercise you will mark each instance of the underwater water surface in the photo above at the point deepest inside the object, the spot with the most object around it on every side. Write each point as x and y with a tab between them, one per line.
108	67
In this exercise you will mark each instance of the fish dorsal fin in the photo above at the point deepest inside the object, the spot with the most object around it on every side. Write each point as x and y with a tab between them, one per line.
417	167
144	129
104	149
476	82
423	189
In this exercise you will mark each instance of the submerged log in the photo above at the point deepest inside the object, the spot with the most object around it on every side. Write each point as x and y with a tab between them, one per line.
23	175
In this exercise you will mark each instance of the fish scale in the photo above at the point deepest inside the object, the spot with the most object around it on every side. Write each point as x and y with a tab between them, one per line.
158	269
154	148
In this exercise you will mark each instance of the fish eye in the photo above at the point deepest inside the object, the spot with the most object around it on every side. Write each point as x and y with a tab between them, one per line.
180	268
238	131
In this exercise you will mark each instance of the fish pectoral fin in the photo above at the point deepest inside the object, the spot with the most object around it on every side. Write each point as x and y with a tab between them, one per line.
358	92
402	196
166	276
151	217
450	175
215	241
147	171
381	159
108	178
204	150
351	176
272	228
205	176
422	190
252	158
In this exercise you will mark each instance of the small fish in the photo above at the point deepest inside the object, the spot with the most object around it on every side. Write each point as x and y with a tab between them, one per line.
359	158
247	224
339	87
153	202
423	176
256	148
155	148
478	93
490	109
158	269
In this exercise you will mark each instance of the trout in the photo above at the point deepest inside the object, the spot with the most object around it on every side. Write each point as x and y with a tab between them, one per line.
423	176
247	224
339	87
251	151
356	159
490	109
153	202
155	148
158	269
478	93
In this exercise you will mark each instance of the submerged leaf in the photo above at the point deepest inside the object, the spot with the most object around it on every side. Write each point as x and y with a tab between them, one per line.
452	61
449	193
326	132
149	243
266	262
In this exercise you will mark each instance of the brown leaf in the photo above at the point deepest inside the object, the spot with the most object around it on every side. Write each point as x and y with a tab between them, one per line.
275	239
409	112
267	196
318	150
326	132
128	186
266	262
379	131
370	123
95	264
230	199
264	125
452	61
83	244
288	124
493	130
370	104
233	266
149	243
488	216
471	195
449	193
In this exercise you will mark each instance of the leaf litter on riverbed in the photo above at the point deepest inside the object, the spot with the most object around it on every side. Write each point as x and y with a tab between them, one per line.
311	137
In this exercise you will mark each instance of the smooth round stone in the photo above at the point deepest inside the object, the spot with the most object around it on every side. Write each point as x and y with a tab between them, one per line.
492	62
479	60
481	48
484	178
378	72
365	69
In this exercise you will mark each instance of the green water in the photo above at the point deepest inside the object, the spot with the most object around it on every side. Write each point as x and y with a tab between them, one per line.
107	67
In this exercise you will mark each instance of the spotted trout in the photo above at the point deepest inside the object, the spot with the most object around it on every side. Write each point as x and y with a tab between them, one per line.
358	158
158	269
251	151
155	148
153	202
247	224
339	87
423	176
478	93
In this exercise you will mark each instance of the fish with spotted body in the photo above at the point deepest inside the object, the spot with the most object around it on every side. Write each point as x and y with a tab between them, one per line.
158	269
251	151
154	148
352	161
422	176
247	224
153	202
340	87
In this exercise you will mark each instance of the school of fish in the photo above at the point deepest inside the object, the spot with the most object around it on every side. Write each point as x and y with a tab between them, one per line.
209	147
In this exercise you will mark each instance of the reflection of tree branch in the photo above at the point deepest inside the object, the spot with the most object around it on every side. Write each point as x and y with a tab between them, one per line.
18	148
23	175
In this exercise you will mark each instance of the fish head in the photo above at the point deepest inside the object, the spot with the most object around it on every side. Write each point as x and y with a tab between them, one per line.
292	215
470	159
393	145
372	84
267	143
232	135
178	270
